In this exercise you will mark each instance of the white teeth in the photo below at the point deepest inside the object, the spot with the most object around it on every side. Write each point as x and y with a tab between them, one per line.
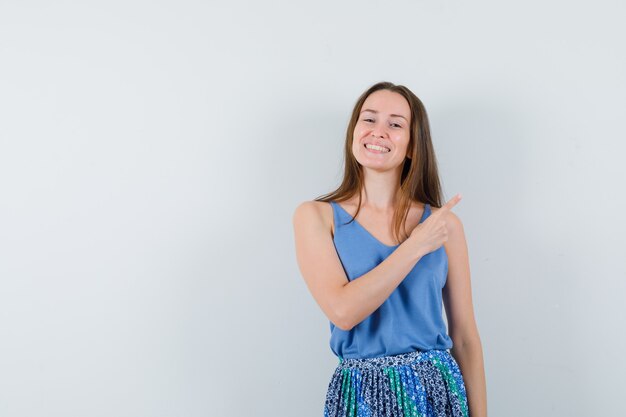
378	148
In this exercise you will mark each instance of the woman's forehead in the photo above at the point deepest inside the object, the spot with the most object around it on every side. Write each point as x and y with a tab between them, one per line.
388	102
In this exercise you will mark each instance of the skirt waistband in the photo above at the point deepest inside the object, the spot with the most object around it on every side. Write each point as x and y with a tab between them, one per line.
393	360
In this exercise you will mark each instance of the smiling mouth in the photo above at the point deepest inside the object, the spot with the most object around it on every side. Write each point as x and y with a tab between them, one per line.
376	148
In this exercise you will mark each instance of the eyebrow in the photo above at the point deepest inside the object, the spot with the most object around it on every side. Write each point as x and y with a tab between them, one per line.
392	115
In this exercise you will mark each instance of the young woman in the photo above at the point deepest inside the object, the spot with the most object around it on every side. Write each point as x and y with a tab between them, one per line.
380	255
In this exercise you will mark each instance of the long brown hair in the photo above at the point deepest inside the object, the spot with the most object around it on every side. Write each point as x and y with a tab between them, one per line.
419	180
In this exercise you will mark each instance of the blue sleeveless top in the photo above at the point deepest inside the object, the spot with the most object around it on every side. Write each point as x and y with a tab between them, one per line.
411	318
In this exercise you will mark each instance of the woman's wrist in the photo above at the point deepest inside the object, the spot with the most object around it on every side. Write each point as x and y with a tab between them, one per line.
413	252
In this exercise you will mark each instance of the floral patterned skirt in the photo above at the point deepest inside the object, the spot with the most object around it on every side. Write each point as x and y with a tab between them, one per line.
420	383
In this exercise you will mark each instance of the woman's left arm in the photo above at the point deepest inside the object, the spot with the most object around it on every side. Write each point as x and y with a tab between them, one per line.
462	328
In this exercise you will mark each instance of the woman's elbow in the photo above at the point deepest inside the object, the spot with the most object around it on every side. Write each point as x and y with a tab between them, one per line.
343	320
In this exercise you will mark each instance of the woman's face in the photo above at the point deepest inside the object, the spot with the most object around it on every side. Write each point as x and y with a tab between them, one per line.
384	121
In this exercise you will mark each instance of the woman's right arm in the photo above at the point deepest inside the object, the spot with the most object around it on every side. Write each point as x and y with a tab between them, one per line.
347	303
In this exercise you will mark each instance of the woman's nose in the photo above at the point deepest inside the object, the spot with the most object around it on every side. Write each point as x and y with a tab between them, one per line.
377	132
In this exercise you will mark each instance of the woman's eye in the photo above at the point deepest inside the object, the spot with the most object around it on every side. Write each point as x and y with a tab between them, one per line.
393	124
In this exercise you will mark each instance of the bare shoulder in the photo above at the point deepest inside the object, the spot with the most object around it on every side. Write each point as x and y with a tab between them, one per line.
453	221
313	213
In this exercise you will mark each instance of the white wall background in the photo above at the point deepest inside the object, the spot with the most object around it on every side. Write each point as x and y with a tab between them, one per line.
152	154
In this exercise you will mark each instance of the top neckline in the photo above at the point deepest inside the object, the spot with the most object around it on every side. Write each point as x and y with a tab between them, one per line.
426	205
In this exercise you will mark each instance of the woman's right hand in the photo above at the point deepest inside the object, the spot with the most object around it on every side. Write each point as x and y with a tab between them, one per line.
429	235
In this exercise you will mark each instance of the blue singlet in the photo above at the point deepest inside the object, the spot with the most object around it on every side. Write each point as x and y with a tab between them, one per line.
411	318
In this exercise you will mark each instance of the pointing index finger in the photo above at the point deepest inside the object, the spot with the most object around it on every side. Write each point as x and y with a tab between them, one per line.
451	203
